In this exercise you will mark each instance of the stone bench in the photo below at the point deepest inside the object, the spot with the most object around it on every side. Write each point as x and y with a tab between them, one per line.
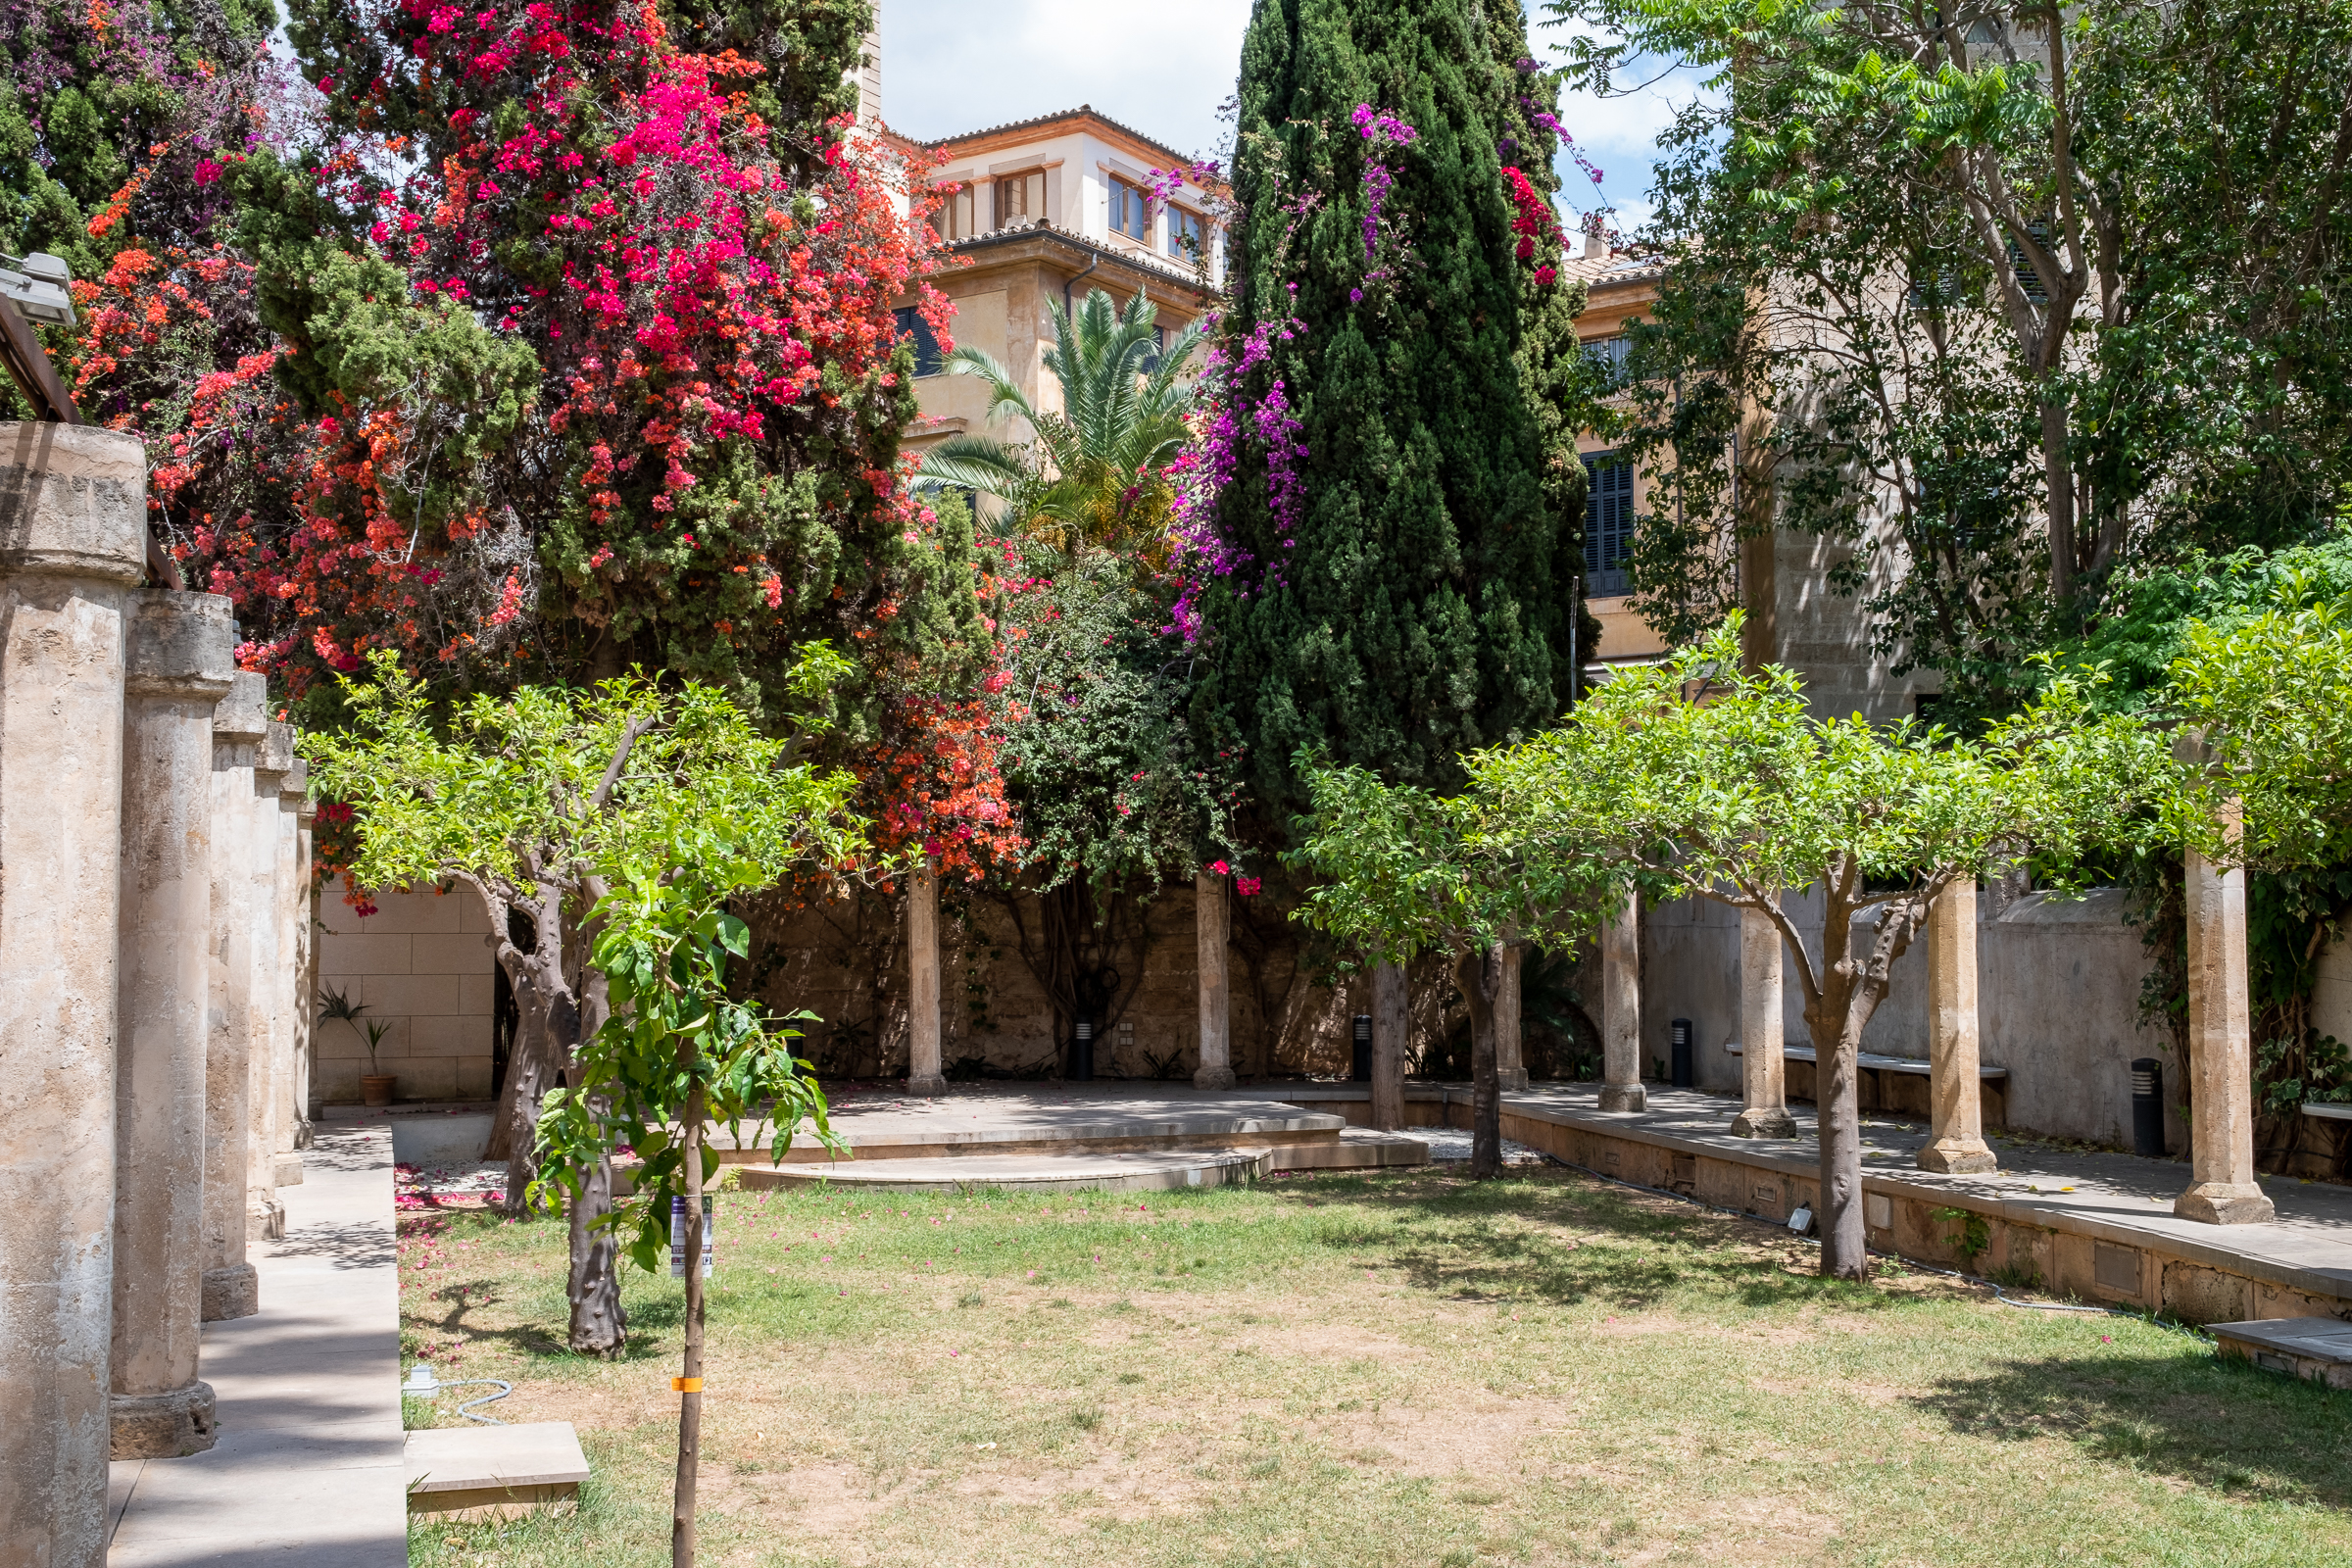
475	1471
1891	1085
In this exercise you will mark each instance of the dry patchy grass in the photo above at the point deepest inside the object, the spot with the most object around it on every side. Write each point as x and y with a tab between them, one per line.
1406	1369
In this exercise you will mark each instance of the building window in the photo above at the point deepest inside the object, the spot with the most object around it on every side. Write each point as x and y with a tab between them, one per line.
1608	524
1129	210
1020	198
926	342
1188	235
959	211
1607	356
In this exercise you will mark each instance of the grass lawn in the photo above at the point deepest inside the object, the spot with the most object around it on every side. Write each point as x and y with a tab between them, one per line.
1403	1369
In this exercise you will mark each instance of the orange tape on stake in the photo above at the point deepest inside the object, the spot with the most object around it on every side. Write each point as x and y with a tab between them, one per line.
685	1385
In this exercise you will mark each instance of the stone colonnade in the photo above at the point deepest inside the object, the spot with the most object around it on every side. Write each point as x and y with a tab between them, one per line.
152	939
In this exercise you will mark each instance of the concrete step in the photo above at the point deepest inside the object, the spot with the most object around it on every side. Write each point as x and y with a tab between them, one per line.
1133	1170
1084	1119
1356	1148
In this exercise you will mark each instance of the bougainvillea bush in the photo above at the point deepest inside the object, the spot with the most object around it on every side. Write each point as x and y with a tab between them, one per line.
528	340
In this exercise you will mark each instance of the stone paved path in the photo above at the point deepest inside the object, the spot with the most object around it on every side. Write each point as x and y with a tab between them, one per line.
308	1472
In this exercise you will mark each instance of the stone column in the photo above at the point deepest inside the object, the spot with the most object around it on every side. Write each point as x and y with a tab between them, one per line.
924	1076
1511	1055
1955	1088
2220	1064
306	961
181	657
1210	934
1621	1010
285	1102
1388	1046
1762	1030
230	1289
271	993
72	544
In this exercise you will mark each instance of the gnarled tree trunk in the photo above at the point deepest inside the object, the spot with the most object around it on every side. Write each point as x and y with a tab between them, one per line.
1477	976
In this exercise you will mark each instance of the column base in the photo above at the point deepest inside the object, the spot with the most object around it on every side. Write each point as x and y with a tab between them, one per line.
265	1222
1515	1079
2226	1204
931	1087
232	1292
1624	1097
1764	1121
305	1133
1213	1078
289	1170
162	1426
1959	1156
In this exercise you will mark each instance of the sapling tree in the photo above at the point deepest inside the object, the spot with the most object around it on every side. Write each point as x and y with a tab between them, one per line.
677	1051
1697	778
527	800
1406	871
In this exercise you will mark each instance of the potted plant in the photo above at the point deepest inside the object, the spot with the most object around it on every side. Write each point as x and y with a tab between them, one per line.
375	1086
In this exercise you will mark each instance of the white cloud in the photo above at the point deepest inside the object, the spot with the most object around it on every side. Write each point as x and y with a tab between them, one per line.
950	67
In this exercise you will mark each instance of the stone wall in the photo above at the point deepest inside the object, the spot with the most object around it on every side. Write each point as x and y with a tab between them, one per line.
421	963
2058	980
846	961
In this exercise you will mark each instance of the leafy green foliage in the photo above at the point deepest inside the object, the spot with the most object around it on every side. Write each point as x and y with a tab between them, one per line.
1093	471
1422	604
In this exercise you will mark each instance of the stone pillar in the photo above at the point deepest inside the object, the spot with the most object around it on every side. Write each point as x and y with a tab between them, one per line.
271	993
1762	1031
924	1076
1210	934
1621	1010
2220	1064
306	961
230	1289
72	544
1955	1088
1511	1055
285	1098
1389	1021
181	657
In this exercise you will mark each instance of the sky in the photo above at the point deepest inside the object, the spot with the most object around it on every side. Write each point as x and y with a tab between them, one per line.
953	65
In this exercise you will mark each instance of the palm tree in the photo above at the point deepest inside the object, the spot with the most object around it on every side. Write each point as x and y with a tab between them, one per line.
1096	473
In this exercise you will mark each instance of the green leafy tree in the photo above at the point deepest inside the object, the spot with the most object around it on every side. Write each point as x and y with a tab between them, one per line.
1697	778
1093	471
1406	871
1389	584
2034	300
533	800
678	1051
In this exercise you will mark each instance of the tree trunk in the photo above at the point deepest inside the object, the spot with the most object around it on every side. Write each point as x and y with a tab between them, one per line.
1844	1247
690	1396
1477	975
2058	480
600	1326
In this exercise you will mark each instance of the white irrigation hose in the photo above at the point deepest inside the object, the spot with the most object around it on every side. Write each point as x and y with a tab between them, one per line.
422	1384
1998	1293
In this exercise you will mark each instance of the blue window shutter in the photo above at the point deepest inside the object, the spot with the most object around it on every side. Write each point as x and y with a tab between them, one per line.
1608	522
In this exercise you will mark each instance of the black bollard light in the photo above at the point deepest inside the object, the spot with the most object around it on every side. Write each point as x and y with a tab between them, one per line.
2147	1108
1678	1035
1082	1052
1363	1072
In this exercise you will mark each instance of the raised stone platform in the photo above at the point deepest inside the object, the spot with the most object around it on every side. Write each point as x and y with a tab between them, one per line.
1133	1170
482	1472
2099	1227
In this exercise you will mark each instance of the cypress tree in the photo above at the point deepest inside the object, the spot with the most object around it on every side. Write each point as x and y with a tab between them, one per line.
1395	584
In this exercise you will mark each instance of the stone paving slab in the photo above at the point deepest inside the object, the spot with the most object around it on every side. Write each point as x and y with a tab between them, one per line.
978	1114
1134	1170
2117	1198
308	1471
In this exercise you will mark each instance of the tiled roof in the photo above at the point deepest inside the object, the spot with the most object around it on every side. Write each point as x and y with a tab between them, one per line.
1175	158
1613	269
1143	261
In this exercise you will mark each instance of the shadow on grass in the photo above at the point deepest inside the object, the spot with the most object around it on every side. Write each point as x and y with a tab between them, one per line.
1636	1251
2190	1416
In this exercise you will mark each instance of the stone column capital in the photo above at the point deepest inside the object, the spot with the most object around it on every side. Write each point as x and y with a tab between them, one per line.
180	645
243	713
73	503
275	758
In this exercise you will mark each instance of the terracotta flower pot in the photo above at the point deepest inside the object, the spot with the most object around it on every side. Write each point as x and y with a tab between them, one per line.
377	1091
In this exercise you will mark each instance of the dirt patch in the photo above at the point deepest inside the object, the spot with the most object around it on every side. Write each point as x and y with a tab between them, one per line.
1478	1437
